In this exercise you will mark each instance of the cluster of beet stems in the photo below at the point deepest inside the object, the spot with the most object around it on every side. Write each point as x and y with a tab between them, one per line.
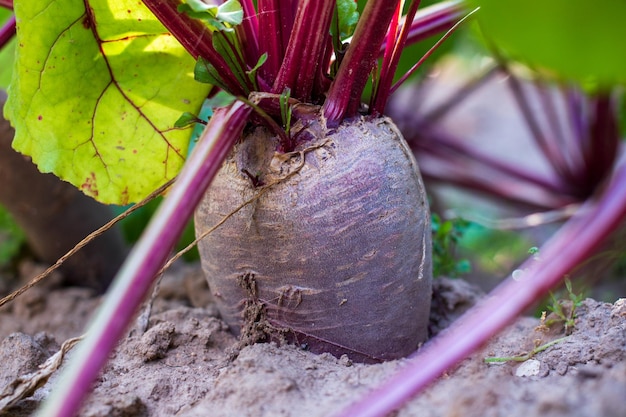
300	45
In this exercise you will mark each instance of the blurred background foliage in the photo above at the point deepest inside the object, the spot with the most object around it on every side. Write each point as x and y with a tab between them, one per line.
12	239
573	40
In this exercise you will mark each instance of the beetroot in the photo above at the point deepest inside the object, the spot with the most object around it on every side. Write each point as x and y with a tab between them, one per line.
333	252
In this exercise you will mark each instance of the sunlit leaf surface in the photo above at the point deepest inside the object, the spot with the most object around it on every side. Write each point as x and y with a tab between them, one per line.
98	87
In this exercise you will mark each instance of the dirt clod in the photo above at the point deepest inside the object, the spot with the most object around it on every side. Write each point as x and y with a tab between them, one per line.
256	326
155	343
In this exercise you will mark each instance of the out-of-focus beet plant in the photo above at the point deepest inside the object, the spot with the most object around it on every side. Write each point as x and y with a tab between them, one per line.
106	94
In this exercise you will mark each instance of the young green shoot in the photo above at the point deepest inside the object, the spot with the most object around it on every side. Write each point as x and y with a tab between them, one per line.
565	310
285	109
526	356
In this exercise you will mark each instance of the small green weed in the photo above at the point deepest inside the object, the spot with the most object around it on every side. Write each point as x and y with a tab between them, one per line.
524	357
564	309
563	312
562	305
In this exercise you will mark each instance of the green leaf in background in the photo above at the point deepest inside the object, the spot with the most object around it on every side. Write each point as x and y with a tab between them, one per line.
206	73
220	99
230	12
6	63
134	225
11	238
97	89
187	119
347	18
574	39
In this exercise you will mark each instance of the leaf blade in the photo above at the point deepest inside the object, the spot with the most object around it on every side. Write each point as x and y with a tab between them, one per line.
104	83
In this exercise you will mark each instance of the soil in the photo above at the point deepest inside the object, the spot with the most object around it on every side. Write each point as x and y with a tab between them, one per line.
188	364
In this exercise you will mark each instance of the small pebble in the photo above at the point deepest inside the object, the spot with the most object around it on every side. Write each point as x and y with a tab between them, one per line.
528	368
345	361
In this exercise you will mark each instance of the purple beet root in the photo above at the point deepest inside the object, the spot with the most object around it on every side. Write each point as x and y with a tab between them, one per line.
331	246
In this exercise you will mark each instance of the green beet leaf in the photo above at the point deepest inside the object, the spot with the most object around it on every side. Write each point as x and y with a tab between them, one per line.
348	16
97	88
577	40
220	17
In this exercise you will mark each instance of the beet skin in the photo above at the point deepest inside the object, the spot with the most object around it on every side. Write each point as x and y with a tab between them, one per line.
335	254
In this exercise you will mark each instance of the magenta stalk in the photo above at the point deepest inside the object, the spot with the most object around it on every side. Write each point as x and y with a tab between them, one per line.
137	274
7	31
